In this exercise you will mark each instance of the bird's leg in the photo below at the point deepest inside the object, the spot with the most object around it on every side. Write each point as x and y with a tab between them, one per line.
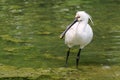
78	57
67	57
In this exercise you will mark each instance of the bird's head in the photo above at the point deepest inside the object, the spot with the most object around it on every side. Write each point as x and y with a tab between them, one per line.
83	16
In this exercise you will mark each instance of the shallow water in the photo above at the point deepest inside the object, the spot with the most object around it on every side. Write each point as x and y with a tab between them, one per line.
30	29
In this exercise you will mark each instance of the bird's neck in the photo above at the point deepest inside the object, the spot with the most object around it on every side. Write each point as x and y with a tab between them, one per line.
82	25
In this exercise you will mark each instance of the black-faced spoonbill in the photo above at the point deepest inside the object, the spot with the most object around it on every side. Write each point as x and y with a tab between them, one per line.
78	33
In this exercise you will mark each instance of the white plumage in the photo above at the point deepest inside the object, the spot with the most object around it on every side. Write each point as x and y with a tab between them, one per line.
78	33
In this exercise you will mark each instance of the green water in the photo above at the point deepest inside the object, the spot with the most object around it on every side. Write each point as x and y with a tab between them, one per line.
30	47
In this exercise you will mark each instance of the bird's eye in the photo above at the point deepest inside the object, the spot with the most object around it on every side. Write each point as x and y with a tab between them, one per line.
78	16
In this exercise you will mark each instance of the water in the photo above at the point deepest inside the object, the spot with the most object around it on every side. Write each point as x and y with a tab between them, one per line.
30	29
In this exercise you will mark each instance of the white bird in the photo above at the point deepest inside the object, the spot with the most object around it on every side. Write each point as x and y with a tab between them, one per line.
78	33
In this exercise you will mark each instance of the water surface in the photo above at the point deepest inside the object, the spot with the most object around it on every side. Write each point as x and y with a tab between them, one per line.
29	36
